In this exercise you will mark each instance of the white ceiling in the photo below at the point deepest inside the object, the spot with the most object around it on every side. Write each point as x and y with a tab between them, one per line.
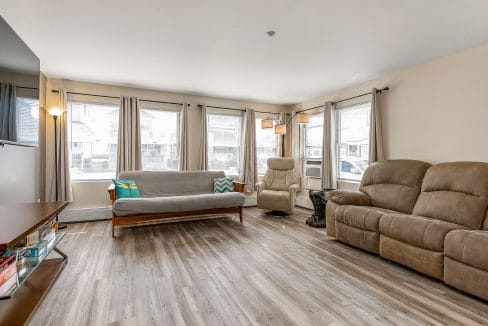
220	47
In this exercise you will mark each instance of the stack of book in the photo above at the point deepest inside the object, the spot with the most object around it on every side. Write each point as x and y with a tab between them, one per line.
8	274
37	242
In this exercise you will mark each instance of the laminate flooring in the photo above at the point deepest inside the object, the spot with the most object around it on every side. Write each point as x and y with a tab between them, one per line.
266	271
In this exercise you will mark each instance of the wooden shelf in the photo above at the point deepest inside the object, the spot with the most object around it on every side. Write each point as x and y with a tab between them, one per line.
16	222
18	309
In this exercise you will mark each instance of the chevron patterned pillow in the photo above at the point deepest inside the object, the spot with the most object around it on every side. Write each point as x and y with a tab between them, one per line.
224	185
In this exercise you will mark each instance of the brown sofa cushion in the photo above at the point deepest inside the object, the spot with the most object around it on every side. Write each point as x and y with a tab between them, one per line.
364	239
455	192
468	247
361	217
418	231
347	197
426	261
469	279
394	184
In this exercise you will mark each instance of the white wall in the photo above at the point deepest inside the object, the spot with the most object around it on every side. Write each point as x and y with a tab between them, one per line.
436	111
93	194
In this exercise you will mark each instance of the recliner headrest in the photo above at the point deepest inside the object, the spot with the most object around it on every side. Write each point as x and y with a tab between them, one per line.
281	163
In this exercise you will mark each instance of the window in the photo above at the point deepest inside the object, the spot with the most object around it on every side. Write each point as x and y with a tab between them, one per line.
353	140
266	146
159	139
92	130
27	120
224	142
313	136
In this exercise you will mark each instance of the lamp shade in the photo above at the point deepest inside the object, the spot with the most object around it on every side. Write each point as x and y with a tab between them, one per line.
303	118
267	123
55	111
280	129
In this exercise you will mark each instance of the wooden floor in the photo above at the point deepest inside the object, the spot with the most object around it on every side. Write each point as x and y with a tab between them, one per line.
267	271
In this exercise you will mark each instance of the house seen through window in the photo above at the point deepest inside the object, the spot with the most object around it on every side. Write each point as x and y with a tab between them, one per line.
266	146
313	134
224	143
92	130
27	120
353	140
159	139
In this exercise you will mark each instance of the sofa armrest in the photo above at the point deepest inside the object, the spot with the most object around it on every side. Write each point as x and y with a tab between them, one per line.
239	186
346	197
260	186
111	192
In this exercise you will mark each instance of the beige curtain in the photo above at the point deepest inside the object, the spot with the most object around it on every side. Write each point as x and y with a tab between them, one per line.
8	112
60	169
281	150
329	152
203	164
129	139
376	152
249	164
184	153
295	145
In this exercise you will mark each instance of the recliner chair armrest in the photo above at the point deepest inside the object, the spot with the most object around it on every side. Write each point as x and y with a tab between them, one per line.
260	186
295	187
347	197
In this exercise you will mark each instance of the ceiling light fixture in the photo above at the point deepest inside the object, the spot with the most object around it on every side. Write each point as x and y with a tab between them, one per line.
271	33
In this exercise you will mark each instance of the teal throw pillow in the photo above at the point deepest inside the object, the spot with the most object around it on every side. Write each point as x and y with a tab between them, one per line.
224	185
126	189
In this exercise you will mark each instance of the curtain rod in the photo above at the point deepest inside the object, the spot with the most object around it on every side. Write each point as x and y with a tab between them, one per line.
343	100
25	87
117	97
234	109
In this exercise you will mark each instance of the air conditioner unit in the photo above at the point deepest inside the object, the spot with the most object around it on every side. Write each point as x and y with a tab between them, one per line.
313	169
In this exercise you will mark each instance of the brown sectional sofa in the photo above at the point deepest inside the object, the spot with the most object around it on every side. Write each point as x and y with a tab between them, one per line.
432	219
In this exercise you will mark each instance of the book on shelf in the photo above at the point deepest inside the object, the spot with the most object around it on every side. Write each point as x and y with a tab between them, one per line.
8	272
32	238
7	287
35	251
5	261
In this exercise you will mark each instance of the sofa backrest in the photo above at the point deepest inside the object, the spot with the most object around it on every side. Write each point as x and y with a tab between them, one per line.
394	184
456	192
172	183
280	174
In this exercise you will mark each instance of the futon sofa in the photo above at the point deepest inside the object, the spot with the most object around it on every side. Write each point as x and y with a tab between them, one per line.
167	194
432	219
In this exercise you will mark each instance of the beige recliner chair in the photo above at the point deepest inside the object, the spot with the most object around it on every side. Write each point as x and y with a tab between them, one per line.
278	189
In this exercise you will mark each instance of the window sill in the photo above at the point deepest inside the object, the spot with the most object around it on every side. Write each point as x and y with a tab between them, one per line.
349	181
90	180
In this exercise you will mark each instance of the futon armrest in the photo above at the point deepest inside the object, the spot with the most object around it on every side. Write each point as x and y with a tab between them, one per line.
239	186
111	192
346	197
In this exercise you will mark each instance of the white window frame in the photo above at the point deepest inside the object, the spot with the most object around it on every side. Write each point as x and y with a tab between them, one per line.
304	137
70	131
27	96
223	112
277	137
338	136
161	107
